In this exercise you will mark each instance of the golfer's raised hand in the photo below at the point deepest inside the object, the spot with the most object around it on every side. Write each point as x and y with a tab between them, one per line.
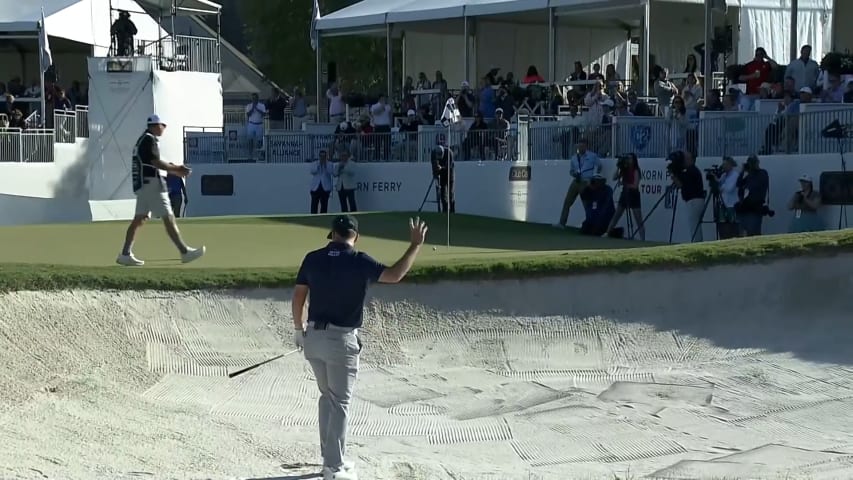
417	231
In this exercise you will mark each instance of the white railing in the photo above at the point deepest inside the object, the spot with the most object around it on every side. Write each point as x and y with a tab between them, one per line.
184	53
82	113
65	126
10	145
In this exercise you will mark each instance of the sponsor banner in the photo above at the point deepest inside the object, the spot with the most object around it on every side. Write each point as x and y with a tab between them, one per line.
647	137
204	147
531	192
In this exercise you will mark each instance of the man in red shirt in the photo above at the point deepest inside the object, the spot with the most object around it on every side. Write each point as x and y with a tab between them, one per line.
758	71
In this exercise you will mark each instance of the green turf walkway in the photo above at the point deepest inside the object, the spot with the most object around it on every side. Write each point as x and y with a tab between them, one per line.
255	252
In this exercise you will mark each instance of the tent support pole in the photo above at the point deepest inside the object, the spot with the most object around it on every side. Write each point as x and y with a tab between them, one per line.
552	45
403	60
318	60
708	81
794	26
646	67
389	63
467	69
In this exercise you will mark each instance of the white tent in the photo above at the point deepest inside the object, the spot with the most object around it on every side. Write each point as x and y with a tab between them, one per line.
83	21
184	7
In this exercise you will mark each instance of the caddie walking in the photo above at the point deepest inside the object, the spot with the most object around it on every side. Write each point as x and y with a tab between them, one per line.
337	276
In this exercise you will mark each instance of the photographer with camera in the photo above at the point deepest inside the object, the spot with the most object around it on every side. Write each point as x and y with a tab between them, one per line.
688	178
628	174
598	205
722	180
805	204
442	172
753	185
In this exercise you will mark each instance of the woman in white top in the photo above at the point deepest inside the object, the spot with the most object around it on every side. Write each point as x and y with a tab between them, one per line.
321	183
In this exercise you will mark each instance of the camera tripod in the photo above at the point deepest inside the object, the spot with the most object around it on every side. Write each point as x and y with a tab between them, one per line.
713	195
437	200
842	210
670	190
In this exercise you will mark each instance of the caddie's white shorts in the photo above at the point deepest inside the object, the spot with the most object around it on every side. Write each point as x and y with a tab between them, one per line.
153	198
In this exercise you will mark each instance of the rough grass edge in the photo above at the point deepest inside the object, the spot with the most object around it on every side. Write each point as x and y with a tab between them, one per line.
20	277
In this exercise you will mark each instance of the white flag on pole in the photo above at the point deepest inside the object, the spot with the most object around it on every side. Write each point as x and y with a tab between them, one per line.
314	17
45	56
451	116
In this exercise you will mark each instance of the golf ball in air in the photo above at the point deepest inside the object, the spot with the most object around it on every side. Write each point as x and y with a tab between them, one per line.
434	249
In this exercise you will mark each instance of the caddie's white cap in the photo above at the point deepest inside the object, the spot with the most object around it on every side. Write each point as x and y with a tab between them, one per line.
806	90
411	113
465	83
343	125
156	120
806	178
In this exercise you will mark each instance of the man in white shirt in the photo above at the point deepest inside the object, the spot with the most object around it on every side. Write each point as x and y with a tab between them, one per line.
803	70
727	225
381	117
255	113
345	183
337	106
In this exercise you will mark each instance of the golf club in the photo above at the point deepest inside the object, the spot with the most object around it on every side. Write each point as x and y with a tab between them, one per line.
244	370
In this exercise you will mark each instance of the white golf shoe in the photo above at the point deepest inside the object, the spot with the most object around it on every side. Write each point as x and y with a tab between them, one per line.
346	472
193	254
129	261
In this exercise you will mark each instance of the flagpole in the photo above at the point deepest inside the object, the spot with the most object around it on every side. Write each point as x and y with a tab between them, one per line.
42	35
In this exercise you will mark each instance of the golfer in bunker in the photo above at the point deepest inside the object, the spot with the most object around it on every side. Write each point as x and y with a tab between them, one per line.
336	277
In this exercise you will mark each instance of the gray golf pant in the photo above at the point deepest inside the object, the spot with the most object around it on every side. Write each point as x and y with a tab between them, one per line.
333	354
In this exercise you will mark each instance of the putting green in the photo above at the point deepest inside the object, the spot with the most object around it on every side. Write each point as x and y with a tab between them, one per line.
251	252
252	242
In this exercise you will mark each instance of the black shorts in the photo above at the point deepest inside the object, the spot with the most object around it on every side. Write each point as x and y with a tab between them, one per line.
629	199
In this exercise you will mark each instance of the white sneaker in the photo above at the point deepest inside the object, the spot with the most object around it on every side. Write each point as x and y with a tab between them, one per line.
342	474
129	261
192	254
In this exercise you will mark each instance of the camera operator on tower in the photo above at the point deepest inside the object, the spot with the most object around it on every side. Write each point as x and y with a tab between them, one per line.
687	177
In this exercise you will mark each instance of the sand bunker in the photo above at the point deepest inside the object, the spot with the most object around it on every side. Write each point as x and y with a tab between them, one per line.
730	372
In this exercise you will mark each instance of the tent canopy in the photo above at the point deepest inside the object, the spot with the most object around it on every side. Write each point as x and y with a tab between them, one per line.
373	14
184	7
83	21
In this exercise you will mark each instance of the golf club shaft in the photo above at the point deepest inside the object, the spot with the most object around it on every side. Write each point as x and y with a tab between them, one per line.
244	370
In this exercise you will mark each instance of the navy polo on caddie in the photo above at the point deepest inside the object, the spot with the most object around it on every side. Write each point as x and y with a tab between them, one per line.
337	277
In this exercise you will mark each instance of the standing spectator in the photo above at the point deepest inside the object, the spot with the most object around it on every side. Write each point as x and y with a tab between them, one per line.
611	79
665	90
382	118
486	105
584	165
122	31
753	185
300	108
177	194
423	84
804	70
805	204
255	112
834	93
690	66
337	106
77	94
345	184
532	76
727	225
628	174
276	106
465	101
321	183
60	101
578	74
596	73
679	123
759	70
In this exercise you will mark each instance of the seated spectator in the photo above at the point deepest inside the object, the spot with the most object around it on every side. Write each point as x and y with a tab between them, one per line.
848	95
34	91
593	101
533	76
783	125
17	120
621	108
611	79
730	103
714	103
834	93
805	204
4	121
425	116
506	103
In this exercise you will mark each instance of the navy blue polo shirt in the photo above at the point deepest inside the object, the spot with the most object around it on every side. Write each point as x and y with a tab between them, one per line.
337	277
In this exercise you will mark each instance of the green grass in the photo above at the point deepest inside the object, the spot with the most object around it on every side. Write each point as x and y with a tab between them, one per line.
249	252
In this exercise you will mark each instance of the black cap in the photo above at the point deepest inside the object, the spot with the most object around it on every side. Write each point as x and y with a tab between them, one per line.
342	225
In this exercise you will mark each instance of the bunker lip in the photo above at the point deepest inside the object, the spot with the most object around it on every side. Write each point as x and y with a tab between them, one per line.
535	378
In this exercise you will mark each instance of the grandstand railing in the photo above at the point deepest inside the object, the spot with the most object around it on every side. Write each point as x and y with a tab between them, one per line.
65	126
184	53
716	134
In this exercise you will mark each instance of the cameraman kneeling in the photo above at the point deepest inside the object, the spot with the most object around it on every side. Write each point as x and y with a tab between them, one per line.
598	204
753	185
687	177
